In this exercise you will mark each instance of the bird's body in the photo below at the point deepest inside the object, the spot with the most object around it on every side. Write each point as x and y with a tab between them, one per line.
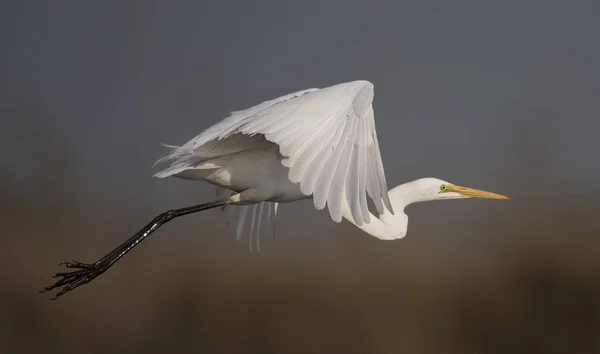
247	152
318	144
256	170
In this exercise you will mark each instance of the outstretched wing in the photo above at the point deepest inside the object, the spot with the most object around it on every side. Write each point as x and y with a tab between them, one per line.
329	142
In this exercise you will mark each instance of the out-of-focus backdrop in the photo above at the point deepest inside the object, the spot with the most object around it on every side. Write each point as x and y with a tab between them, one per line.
500	96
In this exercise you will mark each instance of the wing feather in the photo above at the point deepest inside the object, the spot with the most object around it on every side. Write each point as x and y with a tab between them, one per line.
363	172
321	192
328	139
313	167
312	179
336	189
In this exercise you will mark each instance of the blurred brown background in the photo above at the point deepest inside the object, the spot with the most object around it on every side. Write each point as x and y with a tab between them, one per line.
500	96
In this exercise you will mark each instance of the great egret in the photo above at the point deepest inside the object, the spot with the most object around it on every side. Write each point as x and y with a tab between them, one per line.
314	143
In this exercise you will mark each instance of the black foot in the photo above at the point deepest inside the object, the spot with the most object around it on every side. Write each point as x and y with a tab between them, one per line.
74	279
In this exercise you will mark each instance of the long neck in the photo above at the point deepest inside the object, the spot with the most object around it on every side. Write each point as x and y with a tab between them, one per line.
388	226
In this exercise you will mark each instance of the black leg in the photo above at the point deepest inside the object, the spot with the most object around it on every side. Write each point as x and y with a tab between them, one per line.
87	272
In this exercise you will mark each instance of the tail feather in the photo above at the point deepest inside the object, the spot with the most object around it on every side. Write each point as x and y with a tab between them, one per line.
210	149
175	153
185	164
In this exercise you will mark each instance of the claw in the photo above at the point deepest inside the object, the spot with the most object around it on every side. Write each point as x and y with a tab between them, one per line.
76	264
74	279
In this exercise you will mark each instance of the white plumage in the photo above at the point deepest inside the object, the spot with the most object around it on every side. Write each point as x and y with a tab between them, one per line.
323	139
315	143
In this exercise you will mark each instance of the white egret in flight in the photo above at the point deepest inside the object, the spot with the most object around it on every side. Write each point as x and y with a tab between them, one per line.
314	143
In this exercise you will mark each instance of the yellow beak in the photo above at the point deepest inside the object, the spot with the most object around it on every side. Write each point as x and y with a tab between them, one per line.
474	193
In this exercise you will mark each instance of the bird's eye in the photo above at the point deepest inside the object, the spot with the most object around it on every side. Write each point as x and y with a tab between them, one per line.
443	187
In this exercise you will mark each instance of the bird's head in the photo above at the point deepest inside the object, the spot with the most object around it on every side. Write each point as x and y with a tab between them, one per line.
436	189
